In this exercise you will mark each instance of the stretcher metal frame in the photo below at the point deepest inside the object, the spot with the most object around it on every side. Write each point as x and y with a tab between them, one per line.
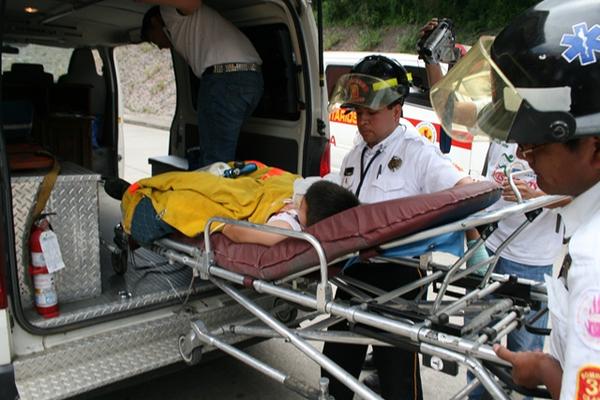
493	318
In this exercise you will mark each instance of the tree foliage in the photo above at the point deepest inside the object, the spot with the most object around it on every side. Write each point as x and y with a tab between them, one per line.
470	16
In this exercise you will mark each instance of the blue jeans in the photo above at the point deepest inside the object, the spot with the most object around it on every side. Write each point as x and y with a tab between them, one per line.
225	102
520	339
146	225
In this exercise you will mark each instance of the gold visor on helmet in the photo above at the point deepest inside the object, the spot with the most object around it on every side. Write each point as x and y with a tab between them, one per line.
475	98
359	90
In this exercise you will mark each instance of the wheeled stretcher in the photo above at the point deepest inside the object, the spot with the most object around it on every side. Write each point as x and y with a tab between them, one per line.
299	271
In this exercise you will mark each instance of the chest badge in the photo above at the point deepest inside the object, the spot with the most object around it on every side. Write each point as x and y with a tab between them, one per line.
394	163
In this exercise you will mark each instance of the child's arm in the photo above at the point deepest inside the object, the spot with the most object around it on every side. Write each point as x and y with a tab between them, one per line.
242	234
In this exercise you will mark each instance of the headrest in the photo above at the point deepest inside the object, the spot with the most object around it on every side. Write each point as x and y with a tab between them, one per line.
28	74
82	62
32	69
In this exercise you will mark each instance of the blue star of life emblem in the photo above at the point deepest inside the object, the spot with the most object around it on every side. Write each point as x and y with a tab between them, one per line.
582	44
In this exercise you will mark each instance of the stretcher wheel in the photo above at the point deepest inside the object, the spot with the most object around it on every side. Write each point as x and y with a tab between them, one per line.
288	314
119	262
194	357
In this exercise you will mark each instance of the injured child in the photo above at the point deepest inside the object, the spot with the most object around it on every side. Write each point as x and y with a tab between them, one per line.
322	199
184	201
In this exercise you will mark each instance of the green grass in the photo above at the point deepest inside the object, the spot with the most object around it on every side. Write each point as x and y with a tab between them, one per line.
407	40
472	18
332	39
369	39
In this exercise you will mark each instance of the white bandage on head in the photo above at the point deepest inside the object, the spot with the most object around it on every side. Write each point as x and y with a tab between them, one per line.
216	168
301	185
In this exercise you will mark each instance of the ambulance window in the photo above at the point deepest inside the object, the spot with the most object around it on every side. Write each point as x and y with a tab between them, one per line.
419	77
333	73
419	91
148	92
147	80
98	62
36	60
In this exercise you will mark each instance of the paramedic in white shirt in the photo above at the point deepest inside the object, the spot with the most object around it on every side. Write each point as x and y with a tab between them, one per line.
226	64
532	254
390	161
541	79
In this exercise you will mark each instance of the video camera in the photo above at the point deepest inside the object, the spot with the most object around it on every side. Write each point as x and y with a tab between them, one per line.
438	46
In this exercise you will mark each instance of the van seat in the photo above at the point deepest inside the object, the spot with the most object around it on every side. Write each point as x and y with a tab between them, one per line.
82	71
17	120
28	74
28	82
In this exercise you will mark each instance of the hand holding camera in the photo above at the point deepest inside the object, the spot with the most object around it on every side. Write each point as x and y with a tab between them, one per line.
437	43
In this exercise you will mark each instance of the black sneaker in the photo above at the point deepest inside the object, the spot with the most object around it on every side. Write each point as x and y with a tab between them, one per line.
115	187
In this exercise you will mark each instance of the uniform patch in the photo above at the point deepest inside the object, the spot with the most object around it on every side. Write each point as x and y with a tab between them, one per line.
582	44
588	383
357	89
394	163
428	130
588	318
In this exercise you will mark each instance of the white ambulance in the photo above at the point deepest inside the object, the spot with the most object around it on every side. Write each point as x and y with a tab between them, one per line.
115	315
417	109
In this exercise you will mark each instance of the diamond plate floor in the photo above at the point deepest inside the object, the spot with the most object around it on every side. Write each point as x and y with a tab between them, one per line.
149	281
144	324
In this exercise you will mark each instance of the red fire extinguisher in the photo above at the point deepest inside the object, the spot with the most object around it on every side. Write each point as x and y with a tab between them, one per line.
46	298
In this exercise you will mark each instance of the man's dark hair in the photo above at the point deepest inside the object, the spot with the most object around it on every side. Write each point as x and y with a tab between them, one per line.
147	22
393	104
324	198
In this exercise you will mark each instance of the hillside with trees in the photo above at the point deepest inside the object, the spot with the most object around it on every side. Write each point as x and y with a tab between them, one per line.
392	25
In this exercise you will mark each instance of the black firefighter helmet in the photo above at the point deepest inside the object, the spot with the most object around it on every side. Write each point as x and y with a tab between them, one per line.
538	81
374	82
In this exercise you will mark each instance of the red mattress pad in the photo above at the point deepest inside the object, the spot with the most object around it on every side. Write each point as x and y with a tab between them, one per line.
363	227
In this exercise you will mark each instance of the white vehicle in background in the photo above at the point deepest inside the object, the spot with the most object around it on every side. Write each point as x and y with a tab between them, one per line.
417	110
115	313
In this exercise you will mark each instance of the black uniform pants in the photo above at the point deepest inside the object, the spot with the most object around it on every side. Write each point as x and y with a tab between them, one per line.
399	372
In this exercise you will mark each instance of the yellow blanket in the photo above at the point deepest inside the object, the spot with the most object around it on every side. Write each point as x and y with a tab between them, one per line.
186	200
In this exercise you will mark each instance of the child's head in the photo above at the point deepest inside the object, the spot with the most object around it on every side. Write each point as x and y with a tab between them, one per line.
323	199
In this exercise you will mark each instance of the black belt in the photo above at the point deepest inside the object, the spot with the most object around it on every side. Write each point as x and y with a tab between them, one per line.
232	67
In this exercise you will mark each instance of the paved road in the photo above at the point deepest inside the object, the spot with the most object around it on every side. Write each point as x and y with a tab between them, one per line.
228	379
141	143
